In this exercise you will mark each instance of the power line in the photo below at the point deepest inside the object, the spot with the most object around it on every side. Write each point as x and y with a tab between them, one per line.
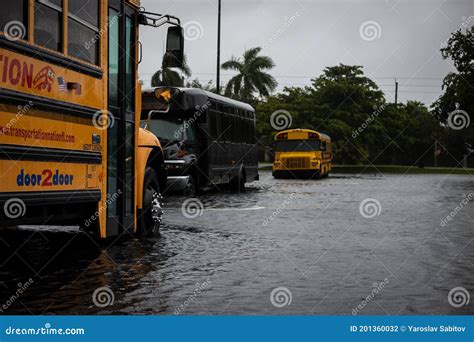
312	77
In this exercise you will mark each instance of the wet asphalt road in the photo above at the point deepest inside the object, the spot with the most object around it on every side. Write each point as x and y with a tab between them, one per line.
284	247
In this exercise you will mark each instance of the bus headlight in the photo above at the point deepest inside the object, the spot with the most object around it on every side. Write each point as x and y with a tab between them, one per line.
314	163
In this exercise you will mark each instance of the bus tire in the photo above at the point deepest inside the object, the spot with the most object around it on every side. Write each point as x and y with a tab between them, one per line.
190	189
238	183
150	216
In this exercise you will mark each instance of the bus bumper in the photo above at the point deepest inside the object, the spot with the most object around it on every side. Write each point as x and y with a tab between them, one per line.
299	174
176	184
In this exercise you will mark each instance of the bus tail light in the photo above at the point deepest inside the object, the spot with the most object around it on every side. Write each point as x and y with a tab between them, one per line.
282	136
312	136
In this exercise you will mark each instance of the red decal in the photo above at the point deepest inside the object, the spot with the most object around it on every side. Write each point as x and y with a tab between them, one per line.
15	75
49	175
27	76
44	79
5	70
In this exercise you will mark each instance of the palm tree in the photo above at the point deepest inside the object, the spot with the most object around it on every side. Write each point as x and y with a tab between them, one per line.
170	76
251	75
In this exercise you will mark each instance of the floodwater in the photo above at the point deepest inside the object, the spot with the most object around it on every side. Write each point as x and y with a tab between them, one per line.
284	247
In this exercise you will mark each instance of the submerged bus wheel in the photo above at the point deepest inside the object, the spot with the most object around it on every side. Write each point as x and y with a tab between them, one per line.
238	183
190	189
152	212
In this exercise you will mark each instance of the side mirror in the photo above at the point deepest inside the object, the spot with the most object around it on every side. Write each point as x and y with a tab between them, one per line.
175	47
142	19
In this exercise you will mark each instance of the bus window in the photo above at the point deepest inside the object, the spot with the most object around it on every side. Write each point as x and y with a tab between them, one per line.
190	132
218	119
129	68
323	146
113	57
14	11
224	127
212	124
48	24
297	145
236	129
83	26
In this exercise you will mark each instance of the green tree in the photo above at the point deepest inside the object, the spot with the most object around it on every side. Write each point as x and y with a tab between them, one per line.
252	76
195	83
170	76
344	99
459	90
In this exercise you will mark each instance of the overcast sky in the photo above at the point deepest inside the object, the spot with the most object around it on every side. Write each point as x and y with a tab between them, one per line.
389	38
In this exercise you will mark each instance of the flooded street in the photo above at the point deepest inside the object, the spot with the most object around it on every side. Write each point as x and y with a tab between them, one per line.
322	247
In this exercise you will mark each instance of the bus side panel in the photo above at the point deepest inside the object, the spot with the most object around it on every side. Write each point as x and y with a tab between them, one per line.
35	77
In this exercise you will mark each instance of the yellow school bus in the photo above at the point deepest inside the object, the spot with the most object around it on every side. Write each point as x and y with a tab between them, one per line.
71	151
302	153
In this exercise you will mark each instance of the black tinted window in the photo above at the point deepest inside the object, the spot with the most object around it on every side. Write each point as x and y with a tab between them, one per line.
298	145
84	38
13	19
48	24
83	43
87	10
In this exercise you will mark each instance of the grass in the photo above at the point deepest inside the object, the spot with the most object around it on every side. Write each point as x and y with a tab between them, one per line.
395	169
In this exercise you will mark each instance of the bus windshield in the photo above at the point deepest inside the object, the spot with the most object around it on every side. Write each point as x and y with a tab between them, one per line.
171	128
298	145
168	129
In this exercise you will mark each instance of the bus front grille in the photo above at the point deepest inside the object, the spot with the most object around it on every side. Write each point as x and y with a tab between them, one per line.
297	163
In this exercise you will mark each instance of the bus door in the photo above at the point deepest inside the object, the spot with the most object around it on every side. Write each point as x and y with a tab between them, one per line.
121	117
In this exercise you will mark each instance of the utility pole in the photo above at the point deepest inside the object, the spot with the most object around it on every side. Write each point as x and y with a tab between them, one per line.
218	76
396	92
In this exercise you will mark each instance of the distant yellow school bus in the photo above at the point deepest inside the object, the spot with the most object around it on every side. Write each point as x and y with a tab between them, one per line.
302	152
71	150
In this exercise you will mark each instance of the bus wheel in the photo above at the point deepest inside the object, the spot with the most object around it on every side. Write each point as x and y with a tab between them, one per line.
152	212
238	183
190	189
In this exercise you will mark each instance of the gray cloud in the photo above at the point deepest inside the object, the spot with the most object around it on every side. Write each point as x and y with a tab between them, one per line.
303	37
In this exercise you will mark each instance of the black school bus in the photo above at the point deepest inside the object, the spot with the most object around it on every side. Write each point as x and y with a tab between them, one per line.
210	140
